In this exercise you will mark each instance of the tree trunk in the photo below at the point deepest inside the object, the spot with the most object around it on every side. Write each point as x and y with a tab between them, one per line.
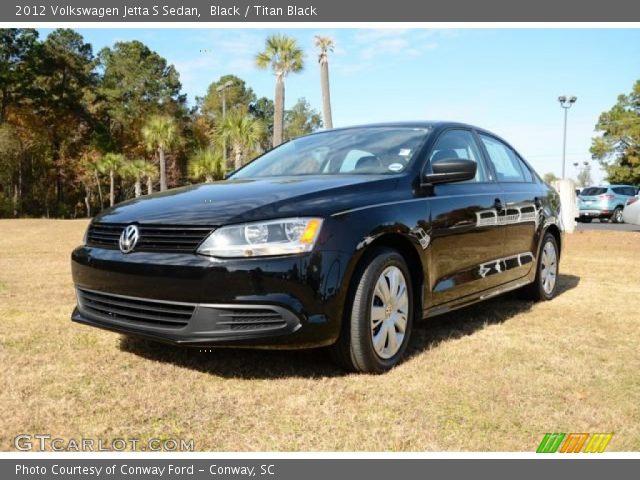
87	202
138	187
99	191
15	200
149	186
111	188
237	150
278	111
163	171
326	95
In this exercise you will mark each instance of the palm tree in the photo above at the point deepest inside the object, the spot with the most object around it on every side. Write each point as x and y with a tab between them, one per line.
161	133
134	169
325	45
111	164
243	133
206	164
150	172
284	55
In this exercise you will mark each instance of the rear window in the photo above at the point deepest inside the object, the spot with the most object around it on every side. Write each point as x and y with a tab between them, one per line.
593	191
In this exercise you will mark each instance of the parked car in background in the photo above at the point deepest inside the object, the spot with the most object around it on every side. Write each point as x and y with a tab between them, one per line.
604	202
631	212
342	238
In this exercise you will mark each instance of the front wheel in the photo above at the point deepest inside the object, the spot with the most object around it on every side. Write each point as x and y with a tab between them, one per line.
545	285
380	316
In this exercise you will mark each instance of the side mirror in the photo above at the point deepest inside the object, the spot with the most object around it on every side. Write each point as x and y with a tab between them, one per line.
451	170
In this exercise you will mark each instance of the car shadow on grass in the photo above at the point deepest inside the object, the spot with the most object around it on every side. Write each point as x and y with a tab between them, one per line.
468	320
315	363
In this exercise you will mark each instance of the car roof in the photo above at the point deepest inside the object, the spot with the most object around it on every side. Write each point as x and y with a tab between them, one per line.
407	124
610	186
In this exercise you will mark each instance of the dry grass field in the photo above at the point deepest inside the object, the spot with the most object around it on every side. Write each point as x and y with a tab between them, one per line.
496	376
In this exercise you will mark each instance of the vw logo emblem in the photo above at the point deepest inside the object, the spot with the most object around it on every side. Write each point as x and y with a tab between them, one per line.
129	238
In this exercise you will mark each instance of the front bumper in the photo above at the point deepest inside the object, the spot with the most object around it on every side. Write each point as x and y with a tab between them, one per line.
186	299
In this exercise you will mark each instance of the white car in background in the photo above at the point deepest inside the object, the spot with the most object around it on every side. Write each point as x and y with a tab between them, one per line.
631	212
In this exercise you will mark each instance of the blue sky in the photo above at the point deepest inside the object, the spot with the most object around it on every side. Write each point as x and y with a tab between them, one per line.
505	80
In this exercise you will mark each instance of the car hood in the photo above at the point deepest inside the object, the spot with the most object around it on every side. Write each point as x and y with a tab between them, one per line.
242	200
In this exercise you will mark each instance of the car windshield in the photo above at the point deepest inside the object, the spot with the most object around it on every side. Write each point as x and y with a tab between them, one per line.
371	150
593	191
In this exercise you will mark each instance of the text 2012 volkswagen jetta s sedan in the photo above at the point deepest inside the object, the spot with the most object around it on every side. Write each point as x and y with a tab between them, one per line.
342	238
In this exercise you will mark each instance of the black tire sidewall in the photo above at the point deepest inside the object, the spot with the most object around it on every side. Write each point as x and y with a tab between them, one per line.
542	294
363	354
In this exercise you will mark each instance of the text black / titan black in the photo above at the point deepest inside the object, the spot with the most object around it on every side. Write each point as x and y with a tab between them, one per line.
342	238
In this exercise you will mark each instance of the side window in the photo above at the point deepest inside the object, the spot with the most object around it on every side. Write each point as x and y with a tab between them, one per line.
504	160
618	190
459	144
630	191
528	176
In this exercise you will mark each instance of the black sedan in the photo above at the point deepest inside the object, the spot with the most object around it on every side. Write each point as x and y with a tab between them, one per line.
343	238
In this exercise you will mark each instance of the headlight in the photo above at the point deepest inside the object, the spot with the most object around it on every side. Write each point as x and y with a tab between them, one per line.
273	237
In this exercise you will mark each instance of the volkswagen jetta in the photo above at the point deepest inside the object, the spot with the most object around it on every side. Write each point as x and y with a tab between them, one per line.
343	238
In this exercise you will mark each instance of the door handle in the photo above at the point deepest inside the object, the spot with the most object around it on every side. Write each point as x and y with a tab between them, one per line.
497	204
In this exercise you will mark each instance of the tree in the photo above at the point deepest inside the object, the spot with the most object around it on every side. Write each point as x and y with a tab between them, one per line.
262	110
550	177
136	83
584	176
243	134
160	133
134	170
65	82
111	164
283	55
150	172
618	146
206	164
325	45
301	120
237	95
17	66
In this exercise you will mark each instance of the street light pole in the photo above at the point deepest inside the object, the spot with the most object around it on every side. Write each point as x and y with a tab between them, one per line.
221	90
566	103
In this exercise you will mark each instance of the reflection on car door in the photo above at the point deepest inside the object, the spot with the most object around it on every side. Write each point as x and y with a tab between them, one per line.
467	230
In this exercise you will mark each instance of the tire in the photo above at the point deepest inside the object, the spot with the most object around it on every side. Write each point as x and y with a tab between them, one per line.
586	219
617	216
544	287
375	341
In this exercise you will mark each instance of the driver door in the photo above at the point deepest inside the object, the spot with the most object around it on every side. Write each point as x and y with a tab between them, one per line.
467	219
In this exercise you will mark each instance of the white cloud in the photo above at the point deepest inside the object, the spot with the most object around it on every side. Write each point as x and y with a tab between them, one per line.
396	42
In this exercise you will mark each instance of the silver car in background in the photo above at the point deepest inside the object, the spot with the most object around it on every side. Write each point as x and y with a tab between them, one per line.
631	211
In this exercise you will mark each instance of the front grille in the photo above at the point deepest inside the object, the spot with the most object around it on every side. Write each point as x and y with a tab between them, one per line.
251	319
135	310
153	238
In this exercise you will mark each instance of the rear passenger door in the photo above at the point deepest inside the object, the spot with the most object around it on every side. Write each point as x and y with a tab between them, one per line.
522	208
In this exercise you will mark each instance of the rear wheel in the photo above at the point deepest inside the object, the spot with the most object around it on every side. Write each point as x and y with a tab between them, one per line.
545	285
376	333
617	215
